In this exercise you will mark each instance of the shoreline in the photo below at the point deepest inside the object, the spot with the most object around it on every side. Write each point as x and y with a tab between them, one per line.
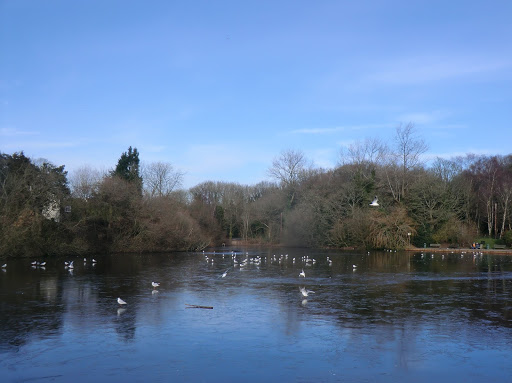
459	250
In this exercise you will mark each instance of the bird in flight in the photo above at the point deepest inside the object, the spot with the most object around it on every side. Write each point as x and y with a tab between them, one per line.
374	202
120	301
224	274
305	292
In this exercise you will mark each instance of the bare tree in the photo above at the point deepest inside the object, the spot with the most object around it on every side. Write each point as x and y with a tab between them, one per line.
486	173
369	151
160	178
289	169
407	156
84	182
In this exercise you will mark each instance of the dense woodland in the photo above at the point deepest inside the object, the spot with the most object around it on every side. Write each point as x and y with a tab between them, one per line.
142	208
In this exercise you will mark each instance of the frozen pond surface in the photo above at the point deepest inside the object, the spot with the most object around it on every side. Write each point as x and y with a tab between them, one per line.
395	317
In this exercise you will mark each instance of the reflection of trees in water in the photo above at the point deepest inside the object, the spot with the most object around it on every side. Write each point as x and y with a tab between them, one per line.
397	290
35	302
437	300
31	307
20	326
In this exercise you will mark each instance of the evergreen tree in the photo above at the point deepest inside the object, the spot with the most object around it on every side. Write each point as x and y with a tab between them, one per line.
128	167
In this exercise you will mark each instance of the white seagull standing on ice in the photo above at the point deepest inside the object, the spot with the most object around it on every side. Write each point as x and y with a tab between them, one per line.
302	274
374	202
155	284
120	301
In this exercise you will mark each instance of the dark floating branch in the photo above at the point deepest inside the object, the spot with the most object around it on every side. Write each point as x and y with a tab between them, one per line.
198	307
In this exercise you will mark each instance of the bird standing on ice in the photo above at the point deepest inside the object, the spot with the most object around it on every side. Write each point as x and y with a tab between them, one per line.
302	274
120	301
155	284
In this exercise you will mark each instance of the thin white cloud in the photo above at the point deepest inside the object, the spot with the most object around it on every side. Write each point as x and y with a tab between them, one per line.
30	145
340	129
12	132
423	117
318	130
322	158
422	69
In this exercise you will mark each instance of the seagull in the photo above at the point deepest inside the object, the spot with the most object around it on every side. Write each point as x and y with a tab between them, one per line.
224	274
374	202
155	284
302	274
120	301
305	292
354	267
4	265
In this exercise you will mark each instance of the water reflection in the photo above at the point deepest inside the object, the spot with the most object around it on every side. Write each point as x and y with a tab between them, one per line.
393	312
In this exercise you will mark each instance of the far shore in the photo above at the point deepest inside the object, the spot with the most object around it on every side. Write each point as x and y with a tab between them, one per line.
459	250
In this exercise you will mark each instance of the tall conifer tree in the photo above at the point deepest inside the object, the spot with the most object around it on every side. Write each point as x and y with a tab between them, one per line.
128	167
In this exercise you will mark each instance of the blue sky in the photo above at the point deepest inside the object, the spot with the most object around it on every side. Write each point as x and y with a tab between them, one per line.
220	88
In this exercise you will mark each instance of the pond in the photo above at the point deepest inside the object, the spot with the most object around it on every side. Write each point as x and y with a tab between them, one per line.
367	317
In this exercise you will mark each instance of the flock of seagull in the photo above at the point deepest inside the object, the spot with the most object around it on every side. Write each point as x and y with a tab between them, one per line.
283	258
306	260
257	260
42	265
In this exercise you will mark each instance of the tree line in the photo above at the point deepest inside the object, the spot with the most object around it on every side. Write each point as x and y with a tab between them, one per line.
142	208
